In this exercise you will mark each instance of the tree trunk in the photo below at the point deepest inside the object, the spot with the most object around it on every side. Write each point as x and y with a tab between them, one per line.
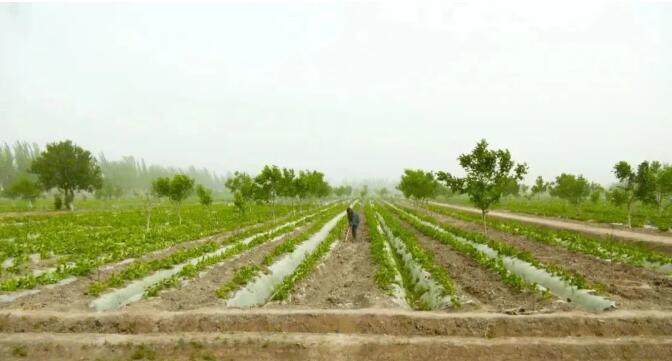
485	223
630	214
179	214
148	213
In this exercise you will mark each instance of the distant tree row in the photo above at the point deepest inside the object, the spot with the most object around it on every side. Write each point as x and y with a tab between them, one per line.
123	177
492	174
273	183
26	173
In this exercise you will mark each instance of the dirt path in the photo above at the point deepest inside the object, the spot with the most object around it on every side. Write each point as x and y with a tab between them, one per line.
388	321
631	287
480	288
344	279
571	225
327	347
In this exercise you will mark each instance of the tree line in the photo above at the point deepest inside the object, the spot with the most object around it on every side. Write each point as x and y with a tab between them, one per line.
68	168
125	177
492	174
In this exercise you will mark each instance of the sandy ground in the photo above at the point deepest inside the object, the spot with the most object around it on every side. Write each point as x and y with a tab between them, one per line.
629	286
344	279
586	227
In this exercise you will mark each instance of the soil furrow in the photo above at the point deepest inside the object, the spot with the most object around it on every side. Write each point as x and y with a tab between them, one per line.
631	287
344	279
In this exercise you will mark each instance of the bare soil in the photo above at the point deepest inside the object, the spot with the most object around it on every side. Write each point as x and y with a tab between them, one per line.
328	347
344	279
630	286
479	288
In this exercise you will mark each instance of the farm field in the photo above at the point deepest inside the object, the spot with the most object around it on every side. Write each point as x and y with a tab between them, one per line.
599	229
420	281
645	218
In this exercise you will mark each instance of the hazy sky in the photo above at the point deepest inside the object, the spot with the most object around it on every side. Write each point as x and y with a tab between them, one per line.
357	90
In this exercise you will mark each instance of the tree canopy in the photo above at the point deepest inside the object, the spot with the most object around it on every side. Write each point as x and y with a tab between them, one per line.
571	188
67	167
418	184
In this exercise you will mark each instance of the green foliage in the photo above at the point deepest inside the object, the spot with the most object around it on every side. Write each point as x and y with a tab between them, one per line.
385	270
204	195
87	240
488	174
662	179
343	191
177	190
596	191
607	249
364	191
422	258
539	186
504	249
309	263
261	235
67	167
24	188
269	183
15	161
418	184
494	264
311	184
571	188
633	186
244	275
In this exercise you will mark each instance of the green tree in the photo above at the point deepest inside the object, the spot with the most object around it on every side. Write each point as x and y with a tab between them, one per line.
571	188
69	168
662	178
244	184
343	191
268	183
488	173
596	191
286	186
633	186
177	190
204	195
383	192
311	184
25	189
418	184
243	188
539	187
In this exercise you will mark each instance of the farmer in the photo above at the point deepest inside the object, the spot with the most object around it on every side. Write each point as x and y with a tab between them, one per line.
353	222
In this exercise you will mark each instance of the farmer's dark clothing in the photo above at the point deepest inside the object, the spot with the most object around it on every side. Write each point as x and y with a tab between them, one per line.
353	220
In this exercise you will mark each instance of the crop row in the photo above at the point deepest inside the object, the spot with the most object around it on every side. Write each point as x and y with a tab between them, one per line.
310	262
408	256
608	249
385	270
259	233
493	264
106	236
503	249
244	274
83	251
